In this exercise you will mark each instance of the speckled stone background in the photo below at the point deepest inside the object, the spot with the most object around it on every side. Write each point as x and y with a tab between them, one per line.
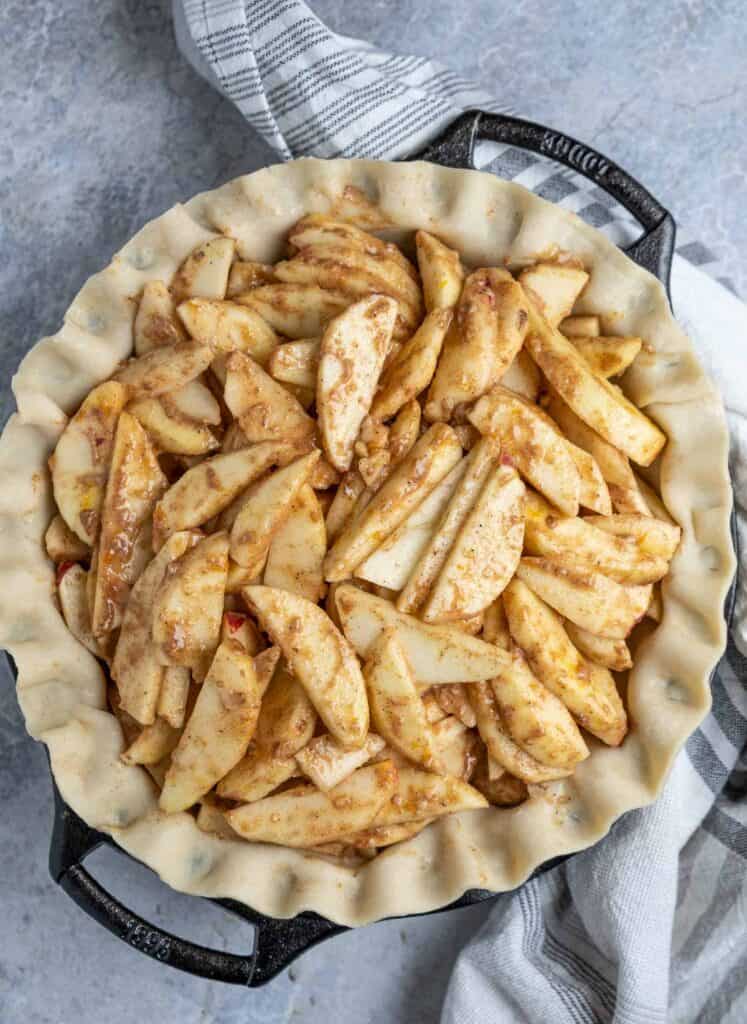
103	126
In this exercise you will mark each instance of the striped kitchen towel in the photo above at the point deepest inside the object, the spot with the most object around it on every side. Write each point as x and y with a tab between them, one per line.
648	925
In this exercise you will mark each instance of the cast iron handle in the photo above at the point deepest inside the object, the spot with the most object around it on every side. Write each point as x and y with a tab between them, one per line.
456	147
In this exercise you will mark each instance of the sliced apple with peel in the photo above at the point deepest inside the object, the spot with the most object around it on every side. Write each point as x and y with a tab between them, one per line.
228	327
134	486
71	591
188	605
485	553
296	310
204	273
554	287
266	506
435	654
156	323
591	600
136	667
392	564
218	730
440	271
584	544
319	656
305	816
420	795
62	545
535	718
504	750
80	463
164	369
351	356
533	443
427	463
266	411
412	369
326	763
171	433
586	689
296	362
297	549
477	466
210	486
397	712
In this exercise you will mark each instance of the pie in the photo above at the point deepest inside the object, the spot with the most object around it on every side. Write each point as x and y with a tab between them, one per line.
365	539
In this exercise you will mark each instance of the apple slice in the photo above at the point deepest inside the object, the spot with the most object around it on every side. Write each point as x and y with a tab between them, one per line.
608	357
440	270
80	463
228	327
210	486
427	463
523	377
172	700
237	626
246	274
320	658
353	348
326	763
297	550
136	669
218	731
62	545
306	817
456	748
156	323
653	537
611	654
71	591
591	600
134	486
319	229
153	744
164	369
504	750
436	654
256	775
392	564
477	467
581	327
554	287
485	553
296	310
420	795
397	711
533	443
204	273
188	605
586	545
535	718
266	506
594	400
265	410
411	371
586	689
495	626
296	362
593	492
341	511
387	835
454	700
171	433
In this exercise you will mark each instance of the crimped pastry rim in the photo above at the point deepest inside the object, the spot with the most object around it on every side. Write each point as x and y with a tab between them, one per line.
61	687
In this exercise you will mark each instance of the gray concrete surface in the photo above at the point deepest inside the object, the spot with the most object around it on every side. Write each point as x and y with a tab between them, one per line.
102	126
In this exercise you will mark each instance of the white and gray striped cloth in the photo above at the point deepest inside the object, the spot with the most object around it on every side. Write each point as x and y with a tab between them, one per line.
649	925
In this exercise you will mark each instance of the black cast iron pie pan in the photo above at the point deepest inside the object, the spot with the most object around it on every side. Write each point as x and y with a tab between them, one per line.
278	942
